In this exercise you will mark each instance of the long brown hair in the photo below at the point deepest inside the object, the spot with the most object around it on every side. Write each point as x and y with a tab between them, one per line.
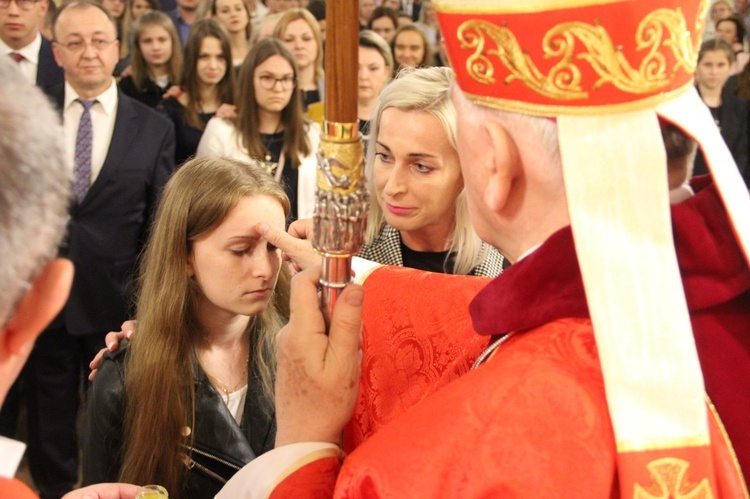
200	30
159	383
296	143
139	69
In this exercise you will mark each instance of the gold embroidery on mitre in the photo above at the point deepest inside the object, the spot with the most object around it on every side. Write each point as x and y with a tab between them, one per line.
668	482
661	30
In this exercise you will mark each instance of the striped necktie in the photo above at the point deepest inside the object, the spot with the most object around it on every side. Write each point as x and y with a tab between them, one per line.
82	160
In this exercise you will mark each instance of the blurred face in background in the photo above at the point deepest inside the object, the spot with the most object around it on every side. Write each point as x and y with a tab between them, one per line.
384	27
408	49
300	40
720	11
211	65
18	25
713	69
372	74
139	7
233	15
156	45
727	31
115	7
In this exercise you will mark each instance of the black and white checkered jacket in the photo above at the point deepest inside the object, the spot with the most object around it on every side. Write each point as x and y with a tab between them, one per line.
386	249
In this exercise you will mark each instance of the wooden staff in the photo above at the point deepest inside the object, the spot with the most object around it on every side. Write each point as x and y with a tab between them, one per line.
341	202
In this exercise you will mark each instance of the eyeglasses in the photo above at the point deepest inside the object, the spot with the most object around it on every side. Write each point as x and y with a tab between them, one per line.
22	4
269	82
99	44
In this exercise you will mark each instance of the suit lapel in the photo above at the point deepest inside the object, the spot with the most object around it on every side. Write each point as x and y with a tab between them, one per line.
48	72
123	135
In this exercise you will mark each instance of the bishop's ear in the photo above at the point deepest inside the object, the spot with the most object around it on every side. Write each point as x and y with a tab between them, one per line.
503	166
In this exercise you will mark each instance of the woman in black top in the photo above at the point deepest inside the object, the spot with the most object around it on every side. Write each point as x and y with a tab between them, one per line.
206	82
157	59
730	113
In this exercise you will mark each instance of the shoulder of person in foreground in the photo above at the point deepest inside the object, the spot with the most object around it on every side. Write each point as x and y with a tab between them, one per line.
103	438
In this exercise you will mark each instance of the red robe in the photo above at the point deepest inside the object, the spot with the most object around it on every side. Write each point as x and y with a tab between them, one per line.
532	421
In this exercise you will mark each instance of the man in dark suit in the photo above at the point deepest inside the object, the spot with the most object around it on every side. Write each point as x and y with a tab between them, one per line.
122	154
20	40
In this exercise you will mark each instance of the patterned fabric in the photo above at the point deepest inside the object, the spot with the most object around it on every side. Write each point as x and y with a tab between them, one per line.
386	249
409	349
84	143
16	57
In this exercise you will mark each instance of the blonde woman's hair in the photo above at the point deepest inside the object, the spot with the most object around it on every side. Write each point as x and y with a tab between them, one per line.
372	40
427	90
159	382
139	67
291	15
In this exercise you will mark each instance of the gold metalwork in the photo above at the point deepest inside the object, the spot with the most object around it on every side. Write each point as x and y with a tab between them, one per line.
341	202
534	109
662	30
668	481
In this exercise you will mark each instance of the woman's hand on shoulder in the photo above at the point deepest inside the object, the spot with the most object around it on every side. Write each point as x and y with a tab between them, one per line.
227	112
112	342
173	91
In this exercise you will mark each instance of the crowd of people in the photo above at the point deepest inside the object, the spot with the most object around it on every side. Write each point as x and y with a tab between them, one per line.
187	134
143	87
723	79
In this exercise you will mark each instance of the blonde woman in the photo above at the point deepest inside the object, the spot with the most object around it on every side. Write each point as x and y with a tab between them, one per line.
300	32
419	216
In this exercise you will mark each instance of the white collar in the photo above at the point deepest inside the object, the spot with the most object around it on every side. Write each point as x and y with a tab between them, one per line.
30	52
12	452
107	99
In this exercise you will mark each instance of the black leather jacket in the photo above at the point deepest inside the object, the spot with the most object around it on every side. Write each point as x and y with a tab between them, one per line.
220	448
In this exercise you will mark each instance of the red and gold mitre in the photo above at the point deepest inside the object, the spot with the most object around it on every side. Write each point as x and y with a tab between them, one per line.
572	56
608	72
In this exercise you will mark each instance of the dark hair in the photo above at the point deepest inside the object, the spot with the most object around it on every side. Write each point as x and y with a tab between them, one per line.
318	9
296	143
199	31
716	45
383	12
155	5
734	19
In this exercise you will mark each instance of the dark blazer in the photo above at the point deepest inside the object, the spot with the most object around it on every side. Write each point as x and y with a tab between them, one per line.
108	228
220	446
48	73
733	121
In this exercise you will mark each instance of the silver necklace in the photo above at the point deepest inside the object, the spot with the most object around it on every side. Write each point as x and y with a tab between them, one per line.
491	349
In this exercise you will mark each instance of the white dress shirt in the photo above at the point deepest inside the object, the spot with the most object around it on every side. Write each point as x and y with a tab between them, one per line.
11	452
30	63
103	115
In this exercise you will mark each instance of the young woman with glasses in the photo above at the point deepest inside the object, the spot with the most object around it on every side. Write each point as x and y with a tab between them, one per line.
270	129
